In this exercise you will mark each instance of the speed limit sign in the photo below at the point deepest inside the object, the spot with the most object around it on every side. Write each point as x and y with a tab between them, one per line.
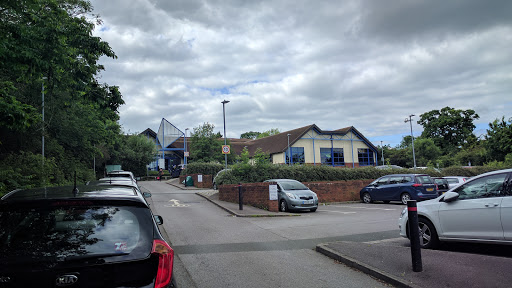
226	149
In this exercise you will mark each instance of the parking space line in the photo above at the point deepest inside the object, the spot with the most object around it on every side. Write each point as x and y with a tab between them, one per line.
338	212
385	240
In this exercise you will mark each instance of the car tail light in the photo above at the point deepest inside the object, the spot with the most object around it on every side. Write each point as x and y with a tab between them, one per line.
417	185
437	187
165	262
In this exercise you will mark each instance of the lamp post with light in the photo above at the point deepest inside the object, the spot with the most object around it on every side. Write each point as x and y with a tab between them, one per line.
185	156
412	137
289	156
225	141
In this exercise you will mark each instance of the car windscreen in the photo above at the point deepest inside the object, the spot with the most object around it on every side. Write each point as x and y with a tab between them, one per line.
292	185
424	179
70	232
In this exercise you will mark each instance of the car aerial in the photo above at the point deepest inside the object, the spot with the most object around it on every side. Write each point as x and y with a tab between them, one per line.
121	173
454	181
442	185
399	187
293	195
479	210
82	236
215	184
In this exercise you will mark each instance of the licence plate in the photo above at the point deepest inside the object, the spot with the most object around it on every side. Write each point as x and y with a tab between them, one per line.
430	189
307	202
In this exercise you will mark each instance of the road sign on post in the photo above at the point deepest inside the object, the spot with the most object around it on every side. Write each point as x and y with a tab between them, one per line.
226	149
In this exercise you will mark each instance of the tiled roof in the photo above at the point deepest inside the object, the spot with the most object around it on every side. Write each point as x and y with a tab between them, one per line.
276	143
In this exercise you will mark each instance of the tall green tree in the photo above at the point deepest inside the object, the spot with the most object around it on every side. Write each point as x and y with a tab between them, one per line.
449	128
49	43
270	132
206	146
250	135
499	139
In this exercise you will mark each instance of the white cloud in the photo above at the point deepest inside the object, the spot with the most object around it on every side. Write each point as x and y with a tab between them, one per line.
286	64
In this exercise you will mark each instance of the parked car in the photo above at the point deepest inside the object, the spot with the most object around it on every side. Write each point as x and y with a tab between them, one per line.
399	187
215	184
94	236
386	167
293	195
479	210
120	181
454	181
442	185
121	173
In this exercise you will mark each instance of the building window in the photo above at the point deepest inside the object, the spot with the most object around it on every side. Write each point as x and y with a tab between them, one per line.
332	156
365	157
297	155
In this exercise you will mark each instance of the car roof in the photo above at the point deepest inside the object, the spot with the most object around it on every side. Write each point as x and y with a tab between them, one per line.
280	180
406	175
82	192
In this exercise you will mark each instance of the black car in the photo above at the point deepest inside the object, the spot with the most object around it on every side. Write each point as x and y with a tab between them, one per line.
86	236
442	185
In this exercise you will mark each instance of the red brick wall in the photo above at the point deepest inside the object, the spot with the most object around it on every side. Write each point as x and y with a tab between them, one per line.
257	194
207	180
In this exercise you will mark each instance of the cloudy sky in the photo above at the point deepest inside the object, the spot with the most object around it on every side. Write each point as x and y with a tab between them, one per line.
290	63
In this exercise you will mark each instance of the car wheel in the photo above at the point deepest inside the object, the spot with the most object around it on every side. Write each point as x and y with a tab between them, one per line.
312	209
405	197
428	234
283	207
367	198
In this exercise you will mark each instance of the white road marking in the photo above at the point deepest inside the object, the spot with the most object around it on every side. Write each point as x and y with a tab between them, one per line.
339	212
176	204
385	240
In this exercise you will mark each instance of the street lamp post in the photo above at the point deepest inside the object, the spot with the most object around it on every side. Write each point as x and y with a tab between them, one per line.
42	105
382	154
185	141
412	137
289	156
225	142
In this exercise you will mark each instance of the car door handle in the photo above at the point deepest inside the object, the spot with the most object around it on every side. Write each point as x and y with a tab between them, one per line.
491	205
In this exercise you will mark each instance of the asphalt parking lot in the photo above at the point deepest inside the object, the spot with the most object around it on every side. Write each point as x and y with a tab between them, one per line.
452	265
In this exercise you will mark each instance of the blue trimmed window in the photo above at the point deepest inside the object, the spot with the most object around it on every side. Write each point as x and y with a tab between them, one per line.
332	156
365	157
297	155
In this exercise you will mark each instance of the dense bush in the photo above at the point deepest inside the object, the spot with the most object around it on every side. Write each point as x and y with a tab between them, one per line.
246	173
202	168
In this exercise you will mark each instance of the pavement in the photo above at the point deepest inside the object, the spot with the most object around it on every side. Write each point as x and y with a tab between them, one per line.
453	265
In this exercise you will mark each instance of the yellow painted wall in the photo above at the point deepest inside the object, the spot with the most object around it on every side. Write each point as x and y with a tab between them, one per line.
313	155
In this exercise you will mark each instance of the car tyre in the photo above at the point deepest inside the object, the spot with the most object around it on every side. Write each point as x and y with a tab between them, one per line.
405	197
428	234
283	207
367	198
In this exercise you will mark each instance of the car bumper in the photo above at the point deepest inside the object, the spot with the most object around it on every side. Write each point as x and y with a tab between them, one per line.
303	204
402	224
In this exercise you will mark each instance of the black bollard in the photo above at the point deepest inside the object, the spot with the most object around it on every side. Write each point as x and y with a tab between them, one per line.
240	197
414	236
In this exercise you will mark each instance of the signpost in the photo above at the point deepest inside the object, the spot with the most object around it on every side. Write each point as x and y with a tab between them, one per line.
226	149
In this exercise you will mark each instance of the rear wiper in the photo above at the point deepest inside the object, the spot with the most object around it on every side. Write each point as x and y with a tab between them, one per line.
89	256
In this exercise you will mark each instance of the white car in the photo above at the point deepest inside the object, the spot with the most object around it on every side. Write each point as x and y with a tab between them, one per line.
454	181
479	210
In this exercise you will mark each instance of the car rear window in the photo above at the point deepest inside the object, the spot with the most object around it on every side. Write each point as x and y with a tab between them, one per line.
65	232
424	179
292	185
452	180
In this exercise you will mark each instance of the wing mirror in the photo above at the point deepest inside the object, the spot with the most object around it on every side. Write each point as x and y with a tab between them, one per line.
159	220
450	196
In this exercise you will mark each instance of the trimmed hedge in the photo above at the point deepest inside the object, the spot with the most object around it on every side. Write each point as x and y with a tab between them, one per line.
246	173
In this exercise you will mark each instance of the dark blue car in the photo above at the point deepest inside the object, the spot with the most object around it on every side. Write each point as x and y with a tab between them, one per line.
400	187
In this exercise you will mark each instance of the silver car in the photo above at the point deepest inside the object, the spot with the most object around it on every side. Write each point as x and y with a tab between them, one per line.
479	210
293	195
